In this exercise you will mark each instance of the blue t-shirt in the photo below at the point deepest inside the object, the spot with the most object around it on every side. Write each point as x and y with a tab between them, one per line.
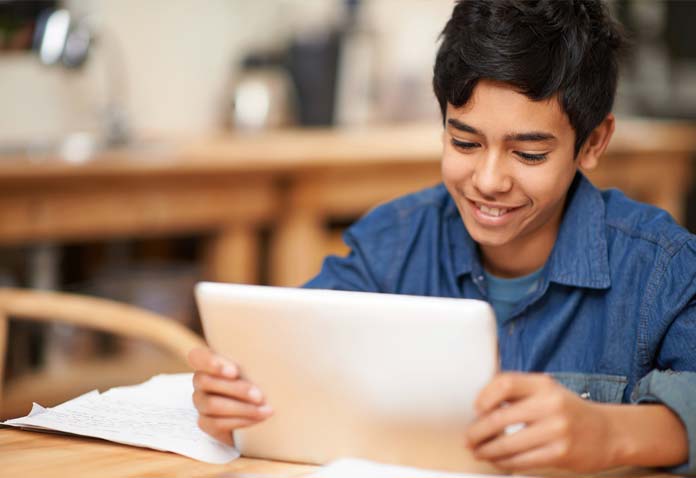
613	318
505	294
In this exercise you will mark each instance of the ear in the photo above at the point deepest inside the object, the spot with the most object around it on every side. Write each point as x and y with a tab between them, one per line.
596	143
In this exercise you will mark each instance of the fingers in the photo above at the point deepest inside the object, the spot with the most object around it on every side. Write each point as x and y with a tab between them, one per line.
220	416
203	359
543	456
505	446
219	406
238	389
221	428
509	387
561	428
494	423
224	401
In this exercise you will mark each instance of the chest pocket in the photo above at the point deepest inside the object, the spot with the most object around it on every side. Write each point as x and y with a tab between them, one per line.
595	387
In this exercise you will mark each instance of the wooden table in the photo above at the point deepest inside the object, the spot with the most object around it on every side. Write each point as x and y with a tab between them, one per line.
136	193
293	182
26	454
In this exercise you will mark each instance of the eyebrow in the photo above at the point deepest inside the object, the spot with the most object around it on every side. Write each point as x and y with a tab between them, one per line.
531	136
463	126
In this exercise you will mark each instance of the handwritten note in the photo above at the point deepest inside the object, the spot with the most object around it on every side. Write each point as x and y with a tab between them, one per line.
157	414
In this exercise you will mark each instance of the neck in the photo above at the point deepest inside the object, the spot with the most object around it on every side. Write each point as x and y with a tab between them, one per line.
507	262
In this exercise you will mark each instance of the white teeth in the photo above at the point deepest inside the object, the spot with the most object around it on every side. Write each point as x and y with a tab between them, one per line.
492	211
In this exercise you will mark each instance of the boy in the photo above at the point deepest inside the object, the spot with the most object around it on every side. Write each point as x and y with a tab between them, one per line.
595	295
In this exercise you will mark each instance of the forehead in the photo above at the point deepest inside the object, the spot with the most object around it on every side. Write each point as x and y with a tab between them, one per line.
497	109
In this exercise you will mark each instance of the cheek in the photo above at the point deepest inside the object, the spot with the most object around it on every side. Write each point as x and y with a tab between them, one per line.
455	169
545	187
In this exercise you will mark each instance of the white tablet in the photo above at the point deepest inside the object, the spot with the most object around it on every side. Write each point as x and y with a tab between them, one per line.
391	378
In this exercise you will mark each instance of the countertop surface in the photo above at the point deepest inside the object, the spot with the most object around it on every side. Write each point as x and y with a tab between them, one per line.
309	149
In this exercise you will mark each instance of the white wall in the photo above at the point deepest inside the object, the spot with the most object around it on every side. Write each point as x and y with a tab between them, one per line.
178	55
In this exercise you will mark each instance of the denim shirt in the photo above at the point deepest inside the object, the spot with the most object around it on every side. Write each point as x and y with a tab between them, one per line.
614	318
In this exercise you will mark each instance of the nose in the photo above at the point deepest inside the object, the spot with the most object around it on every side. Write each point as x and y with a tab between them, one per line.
490	176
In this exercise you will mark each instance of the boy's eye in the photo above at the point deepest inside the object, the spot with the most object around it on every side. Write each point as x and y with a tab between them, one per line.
531	157
463	144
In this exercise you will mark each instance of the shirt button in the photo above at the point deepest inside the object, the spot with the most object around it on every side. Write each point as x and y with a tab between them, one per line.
585	395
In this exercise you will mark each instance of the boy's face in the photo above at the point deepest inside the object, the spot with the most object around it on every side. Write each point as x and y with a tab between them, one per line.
508	162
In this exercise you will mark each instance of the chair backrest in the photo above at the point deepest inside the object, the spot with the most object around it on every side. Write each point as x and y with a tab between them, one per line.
100	314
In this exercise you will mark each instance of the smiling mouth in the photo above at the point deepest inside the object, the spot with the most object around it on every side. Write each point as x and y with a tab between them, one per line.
493	211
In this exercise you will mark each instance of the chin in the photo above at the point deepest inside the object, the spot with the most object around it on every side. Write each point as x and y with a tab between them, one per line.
486	238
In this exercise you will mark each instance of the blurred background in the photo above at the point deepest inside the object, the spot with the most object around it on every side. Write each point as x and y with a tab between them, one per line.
145	146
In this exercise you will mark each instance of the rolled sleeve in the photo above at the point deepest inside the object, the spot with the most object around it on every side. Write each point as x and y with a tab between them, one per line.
677	391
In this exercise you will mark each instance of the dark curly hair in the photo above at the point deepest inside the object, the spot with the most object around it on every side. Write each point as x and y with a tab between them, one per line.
543	48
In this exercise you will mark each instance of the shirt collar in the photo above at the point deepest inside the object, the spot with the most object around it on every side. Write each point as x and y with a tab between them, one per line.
579	257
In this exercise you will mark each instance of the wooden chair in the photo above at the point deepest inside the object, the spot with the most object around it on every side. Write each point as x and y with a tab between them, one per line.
54	386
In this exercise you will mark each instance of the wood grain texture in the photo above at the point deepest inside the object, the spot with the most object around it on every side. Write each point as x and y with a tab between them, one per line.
232	255
27	454
99	314
74	209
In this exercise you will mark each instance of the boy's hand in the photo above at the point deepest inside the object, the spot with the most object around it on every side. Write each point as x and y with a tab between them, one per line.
223	399
561	429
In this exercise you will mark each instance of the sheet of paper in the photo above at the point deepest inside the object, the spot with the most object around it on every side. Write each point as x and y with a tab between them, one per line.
157	414
353	467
